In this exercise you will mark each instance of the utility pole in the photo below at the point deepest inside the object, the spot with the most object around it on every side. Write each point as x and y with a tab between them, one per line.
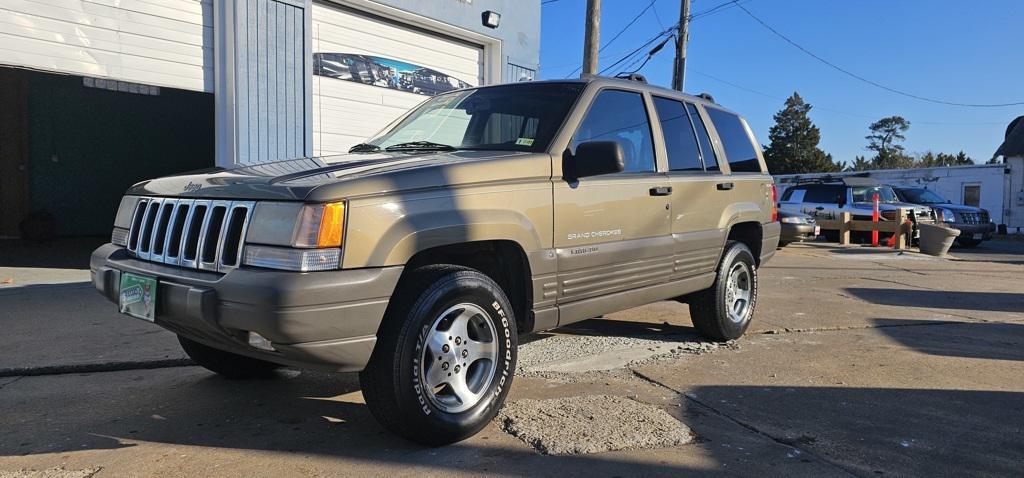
591	38
679	71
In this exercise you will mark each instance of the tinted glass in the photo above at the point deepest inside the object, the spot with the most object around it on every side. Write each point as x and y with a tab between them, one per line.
680	141
920	196
789	194
867	194
707	152
825	194
520	117
620	116
739	150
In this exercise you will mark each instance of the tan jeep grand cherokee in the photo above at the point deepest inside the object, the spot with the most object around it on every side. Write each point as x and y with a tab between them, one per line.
420	257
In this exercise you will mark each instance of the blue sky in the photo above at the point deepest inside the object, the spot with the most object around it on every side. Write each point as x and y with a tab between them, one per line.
968	52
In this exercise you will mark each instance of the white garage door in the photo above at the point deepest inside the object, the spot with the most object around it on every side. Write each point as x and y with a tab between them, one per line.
368	71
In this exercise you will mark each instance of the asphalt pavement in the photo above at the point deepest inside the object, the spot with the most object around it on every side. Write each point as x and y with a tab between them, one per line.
860	362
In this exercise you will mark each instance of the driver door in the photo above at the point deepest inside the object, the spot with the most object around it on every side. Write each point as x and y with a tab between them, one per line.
612	231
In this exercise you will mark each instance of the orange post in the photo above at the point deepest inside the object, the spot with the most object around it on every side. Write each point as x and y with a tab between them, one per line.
874	218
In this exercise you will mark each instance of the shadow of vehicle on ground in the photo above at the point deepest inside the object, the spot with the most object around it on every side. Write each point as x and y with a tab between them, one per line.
985	340
941	299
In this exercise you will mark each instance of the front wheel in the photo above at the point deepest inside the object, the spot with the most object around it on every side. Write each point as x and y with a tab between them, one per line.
445	356
724	310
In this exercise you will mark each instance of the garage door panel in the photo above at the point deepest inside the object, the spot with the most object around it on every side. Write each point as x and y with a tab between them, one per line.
378	70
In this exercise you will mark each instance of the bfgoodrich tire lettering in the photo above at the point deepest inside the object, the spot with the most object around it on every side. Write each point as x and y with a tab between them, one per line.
442	316
724	311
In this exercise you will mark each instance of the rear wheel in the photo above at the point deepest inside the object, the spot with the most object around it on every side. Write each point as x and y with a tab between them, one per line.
724	310
445	356
230	365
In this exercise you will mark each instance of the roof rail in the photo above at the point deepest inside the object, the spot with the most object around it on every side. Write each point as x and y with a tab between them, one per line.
637	77
707	96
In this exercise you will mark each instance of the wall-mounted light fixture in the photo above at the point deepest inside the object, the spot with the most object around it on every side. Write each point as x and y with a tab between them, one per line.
491	19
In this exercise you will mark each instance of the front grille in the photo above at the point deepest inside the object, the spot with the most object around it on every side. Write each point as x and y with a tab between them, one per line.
974	217
193	233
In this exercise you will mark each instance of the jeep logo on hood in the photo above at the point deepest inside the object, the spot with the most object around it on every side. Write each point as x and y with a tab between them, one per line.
192	187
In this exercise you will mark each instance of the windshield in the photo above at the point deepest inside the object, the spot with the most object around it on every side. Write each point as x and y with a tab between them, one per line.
922	196
515	117
866	194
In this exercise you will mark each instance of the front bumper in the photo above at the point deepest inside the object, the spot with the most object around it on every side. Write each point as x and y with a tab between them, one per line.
798	232
968	231
320	320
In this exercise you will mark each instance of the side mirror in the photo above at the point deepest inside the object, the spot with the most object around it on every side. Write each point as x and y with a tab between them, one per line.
594	158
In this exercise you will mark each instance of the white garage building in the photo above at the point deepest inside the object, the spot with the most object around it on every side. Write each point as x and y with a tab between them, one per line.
110	92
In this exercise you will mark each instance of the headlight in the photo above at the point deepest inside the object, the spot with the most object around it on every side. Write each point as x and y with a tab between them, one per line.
794	220
296	237
945	215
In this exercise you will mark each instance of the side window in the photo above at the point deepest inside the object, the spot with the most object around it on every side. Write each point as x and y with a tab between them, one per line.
707	152
794	195
620	116
680	141
825	194
739	149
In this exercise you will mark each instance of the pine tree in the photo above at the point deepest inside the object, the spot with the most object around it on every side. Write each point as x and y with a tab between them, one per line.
794	142
884	140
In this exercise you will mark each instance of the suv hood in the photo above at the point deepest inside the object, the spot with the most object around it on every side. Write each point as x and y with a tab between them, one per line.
892	206
344	176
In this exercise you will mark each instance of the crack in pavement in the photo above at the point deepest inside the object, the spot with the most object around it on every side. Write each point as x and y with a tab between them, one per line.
2	385
788	330
781	441
94	367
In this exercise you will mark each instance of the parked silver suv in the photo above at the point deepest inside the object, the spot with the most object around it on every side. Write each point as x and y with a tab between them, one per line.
825	198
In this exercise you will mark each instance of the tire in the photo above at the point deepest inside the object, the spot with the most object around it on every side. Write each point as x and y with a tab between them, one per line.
712	310
227	364
418	327
783	244
968	243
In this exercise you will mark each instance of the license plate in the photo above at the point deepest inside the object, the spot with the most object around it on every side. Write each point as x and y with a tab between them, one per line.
138	296
817	231
977	237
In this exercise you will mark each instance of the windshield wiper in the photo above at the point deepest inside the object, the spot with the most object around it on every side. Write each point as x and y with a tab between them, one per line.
420	146
364	148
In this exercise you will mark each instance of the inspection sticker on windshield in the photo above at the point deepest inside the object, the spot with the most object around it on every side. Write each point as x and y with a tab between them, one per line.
138	296
524	142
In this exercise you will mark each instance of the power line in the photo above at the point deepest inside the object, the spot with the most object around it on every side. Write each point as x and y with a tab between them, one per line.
833	110
650	54
863	79
623	30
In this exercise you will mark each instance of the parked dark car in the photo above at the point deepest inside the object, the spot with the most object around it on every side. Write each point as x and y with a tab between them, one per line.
975	224
797	227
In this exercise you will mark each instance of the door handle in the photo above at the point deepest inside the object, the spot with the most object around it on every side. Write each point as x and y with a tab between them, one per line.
724	186
661	191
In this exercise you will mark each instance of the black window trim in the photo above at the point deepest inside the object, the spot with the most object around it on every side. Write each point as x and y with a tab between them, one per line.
650	127
750	137
700	151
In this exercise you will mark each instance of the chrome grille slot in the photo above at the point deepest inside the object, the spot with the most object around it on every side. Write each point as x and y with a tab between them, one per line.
196	234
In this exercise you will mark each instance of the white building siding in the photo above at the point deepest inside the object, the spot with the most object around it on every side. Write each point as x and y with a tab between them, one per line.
157	42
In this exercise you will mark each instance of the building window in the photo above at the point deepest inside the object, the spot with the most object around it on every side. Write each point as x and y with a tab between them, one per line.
972	195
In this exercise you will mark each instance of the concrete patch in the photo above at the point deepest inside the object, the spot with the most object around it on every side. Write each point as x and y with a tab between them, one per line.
587	353
55	472
591	424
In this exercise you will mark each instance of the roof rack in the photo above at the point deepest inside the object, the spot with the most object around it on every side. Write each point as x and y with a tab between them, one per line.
707	96
637	77
853	180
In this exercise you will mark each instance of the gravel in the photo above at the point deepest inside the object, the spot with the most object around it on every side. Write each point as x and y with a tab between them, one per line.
55	472
591	424
566	353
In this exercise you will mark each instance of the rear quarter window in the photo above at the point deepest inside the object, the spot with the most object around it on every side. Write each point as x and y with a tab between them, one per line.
736	140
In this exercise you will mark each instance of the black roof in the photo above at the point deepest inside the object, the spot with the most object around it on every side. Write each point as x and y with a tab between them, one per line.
1014	143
